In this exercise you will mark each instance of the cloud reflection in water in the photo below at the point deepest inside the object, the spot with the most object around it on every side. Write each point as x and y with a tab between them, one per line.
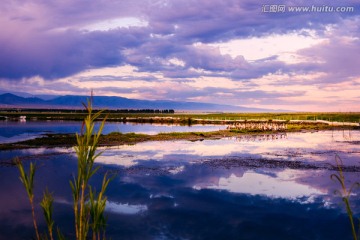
258	184
183	196
124	208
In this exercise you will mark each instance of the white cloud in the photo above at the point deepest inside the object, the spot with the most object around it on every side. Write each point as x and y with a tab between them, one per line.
283	46
259	184
109	24
177	62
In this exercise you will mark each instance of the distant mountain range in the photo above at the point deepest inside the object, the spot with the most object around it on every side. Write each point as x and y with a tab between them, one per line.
13	100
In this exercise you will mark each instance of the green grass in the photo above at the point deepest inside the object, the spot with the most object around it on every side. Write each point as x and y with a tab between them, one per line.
304	126
184	118
345	193
88	204
118	138
27	180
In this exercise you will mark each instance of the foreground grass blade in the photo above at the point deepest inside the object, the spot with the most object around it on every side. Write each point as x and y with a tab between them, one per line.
47	206
345	193
28	182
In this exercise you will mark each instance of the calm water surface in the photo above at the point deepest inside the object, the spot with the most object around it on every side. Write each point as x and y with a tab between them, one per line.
253	187
14	131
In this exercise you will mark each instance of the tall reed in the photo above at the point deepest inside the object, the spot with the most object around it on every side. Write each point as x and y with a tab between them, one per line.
47	206
97	204
89	205
87	144
28	181
345	193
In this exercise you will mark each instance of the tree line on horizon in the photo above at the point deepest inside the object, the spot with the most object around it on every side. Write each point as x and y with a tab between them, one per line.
162	111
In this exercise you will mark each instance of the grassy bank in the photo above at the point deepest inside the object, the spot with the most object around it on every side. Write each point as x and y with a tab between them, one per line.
185	118
117	138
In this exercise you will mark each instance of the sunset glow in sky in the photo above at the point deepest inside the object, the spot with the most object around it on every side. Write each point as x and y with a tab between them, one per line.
215	51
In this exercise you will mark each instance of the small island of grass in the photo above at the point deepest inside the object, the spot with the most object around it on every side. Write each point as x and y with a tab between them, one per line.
118	138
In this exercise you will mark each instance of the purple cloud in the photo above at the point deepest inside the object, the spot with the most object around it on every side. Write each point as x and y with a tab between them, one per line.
339	59
175	43
41	45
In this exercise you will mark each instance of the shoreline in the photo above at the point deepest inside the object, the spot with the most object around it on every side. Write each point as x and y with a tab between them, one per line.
118	138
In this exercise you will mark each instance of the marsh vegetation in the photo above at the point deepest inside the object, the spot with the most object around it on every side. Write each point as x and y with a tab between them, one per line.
88	203
184	118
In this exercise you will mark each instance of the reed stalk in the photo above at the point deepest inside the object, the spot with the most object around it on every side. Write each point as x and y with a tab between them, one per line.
89	206
28	182
345	193
47	206
86	148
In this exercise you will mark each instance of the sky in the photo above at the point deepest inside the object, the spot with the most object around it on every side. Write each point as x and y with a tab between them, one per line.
263	54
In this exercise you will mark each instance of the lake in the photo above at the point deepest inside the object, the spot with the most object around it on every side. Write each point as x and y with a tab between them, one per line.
14	131
273	186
